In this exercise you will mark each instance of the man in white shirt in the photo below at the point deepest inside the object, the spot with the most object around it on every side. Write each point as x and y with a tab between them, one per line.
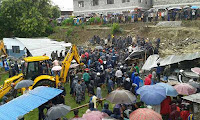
118	75
130	49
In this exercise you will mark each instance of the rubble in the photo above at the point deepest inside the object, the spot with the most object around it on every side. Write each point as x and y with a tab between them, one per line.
169	24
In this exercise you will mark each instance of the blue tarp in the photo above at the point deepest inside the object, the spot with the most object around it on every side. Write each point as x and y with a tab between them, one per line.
27	102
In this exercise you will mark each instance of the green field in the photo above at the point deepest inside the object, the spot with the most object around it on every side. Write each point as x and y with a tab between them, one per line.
69	100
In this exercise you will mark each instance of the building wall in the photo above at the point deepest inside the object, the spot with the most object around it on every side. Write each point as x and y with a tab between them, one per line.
157	3
104	8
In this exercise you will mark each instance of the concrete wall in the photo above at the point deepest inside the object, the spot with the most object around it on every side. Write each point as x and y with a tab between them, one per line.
104	8
157	3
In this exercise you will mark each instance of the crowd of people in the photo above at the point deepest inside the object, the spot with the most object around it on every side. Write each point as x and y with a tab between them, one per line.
163	14
106	66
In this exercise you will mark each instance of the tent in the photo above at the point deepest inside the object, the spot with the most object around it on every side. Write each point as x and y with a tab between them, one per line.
152	60
27	102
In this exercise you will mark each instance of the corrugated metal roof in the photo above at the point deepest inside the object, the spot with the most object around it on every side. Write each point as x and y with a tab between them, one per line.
27	102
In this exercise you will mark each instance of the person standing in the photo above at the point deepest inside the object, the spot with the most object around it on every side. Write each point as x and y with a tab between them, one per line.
83	85
158	71
154	76
86	77
165	108
118	75
110	85
78	91
16	67
137	81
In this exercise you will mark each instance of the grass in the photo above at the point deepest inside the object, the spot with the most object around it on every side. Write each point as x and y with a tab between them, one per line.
69	100
3	77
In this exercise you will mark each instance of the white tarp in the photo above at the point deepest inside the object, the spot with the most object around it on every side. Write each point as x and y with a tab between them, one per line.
193	98
152	60
41	46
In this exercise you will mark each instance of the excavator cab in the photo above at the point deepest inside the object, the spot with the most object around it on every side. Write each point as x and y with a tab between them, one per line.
36	66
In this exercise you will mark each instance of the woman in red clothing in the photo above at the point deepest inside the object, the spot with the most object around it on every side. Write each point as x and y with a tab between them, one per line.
147	80
165	108
185	113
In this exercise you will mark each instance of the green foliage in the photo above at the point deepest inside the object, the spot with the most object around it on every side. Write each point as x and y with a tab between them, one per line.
26	18
116	28
98	19
69	32
68	21
91	20
55	12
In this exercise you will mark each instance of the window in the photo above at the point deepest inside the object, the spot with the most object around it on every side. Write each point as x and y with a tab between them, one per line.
110	1
95	2
146	2
15	49
123	1
139	1
80	3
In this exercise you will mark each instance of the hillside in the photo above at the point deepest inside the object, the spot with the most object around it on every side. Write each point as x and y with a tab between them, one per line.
174	40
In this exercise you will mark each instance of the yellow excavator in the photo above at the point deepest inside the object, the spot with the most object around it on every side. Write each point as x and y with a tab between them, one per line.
38	70
2	50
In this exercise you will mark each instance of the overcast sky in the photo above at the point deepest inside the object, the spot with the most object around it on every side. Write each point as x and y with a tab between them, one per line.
64	4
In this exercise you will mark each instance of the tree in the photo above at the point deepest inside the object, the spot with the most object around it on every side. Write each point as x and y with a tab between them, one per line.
26	18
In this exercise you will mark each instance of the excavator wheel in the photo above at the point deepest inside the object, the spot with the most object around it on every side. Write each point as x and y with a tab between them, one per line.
45	83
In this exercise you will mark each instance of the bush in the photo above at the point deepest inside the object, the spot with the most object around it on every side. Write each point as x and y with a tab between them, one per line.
116	28
69	32
68	21
98	19
91	20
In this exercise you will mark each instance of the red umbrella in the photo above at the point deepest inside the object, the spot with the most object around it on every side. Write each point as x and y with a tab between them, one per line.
185	89
196	70
145	114
94	115
87	69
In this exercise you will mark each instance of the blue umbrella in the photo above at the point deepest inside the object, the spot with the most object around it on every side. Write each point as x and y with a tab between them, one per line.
194	7
149	87
170	91
153	97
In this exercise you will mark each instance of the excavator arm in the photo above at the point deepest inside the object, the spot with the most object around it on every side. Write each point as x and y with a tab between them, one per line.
72	54
2	49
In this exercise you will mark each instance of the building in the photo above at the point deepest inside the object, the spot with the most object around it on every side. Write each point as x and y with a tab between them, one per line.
20	47
85	7
174	3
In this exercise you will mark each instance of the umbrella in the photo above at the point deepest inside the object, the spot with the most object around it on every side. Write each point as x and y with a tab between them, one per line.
185	89
94	115
145	114
56	68
74	65
170	91
99	47
149	87
87	69
194	7
24	84
58	111
153	97
194	84
77	119
121	96
196	70
172	82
